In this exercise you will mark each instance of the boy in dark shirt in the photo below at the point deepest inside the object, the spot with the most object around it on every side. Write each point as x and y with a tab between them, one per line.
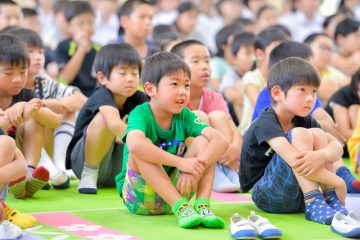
285	153
95	151
76	55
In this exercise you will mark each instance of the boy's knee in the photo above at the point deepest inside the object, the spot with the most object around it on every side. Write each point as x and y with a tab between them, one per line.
7	142
203	116
318	133
217	116
301	134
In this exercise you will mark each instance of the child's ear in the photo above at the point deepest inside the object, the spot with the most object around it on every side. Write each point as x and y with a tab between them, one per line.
101	78
123	21
276	93
150	89
260	54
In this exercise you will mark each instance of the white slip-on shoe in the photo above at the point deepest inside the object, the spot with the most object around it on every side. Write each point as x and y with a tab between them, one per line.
345	226
354	217
240	228
263	227
9	231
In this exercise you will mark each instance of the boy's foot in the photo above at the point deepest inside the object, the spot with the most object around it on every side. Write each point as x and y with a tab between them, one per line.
17	187
88	181
209	219
19	219
60	181
36	181
221	182
352	184
186	215
318	211
332	200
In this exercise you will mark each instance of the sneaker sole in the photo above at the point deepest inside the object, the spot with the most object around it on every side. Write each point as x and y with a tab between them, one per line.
355	233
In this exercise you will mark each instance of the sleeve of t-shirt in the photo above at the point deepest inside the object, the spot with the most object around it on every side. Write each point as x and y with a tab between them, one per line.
193	124
267	127
102	97
138	120
215	101
61	54
263	101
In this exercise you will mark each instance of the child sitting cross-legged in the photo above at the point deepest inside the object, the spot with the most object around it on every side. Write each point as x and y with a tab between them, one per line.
159	174
286	154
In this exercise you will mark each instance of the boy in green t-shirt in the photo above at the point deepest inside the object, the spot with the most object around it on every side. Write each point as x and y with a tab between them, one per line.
159	175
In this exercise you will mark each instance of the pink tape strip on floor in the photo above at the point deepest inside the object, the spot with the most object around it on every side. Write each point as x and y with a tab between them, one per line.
79	227
230	197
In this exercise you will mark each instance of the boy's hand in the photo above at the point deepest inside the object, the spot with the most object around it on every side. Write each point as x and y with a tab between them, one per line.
187	184
31	108
308	162
15	114
194	166
83	40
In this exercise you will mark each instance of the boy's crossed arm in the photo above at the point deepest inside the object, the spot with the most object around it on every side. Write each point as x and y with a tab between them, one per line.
113	121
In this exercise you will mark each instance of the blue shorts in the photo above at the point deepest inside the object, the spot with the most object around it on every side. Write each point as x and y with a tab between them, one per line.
278	191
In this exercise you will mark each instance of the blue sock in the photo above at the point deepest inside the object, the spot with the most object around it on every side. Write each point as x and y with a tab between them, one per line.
332	200
316	208
349	179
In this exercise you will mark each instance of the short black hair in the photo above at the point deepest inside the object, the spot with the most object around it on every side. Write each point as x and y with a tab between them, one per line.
59	6
292	71
355	80
13	51
222	36
112	55
162	64
289	49
29	12
263	9
312	37
179	48
283	28
242	39
162	35
268	36
127	8
76	8
185	7
346	27
29	37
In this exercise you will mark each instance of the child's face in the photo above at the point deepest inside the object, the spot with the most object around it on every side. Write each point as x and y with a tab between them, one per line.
186	21
267	18
299	99
10	15
172	93
123	80
322	49
12	79
244	58
83	24
351	42
139	23
32	23
37	60
198	59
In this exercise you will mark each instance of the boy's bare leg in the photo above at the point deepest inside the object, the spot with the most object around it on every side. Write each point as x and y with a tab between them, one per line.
315	205
98	142
163	186
33	141
204	187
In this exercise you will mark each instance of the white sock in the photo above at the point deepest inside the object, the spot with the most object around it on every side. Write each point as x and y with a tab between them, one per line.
63	136
46	161
89	178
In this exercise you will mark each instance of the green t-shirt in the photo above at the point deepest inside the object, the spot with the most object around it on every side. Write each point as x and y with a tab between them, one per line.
184	125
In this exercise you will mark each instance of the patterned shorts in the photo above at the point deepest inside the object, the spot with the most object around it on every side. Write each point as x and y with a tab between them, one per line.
278	191
141	198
